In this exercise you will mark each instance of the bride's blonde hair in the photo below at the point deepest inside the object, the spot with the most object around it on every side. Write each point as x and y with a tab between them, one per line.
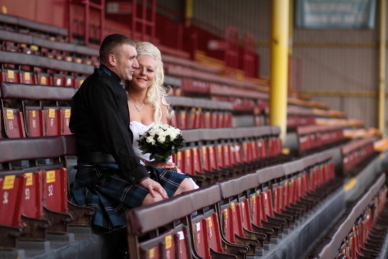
156	92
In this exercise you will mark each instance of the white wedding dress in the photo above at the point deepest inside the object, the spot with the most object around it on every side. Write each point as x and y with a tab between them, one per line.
138	129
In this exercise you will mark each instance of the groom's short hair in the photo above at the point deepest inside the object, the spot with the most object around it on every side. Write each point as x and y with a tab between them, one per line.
111	42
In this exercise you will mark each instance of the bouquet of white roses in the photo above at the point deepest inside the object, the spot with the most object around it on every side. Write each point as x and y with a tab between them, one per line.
160	141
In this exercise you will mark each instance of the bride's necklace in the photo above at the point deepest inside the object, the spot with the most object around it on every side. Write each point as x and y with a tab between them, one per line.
138	108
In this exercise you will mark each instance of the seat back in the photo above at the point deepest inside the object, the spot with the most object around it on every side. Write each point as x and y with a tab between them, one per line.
174	242
205	221
11	186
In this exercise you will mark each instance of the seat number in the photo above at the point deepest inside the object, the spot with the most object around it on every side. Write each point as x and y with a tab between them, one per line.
5	198
27	193
50	190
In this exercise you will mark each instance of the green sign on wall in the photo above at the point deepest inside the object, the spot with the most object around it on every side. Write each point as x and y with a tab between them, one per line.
335	13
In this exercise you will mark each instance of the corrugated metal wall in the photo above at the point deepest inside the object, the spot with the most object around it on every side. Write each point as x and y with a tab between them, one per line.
332	60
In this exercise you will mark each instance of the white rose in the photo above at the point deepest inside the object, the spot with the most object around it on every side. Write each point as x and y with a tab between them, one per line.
165	126
150	140
161	139
152	132
173	135
159	132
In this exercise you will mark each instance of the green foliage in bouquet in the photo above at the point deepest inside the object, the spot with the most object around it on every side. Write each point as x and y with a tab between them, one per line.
160	142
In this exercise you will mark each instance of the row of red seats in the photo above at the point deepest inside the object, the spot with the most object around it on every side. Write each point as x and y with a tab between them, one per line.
34	110
315	137
234	219
355	153
213	155
38	76
361	232
30	69
25	41
200	113
34	193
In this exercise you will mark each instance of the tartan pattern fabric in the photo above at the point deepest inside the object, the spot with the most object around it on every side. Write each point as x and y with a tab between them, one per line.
104	188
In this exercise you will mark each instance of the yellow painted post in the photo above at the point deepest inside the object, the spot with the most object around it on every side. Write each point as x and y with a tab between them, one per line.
381	92
188	12
279	65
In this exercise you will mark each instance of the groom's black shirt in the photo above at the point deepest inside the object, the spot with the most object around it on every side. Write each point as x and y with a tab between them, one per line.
100	118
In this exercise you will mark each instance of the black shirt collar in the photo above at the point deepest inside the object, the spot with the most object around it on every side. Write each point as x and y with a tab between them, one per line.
110	73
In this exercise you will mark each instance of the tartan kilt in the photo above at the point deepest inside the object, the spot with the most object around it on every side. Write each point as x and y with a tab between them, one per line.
107	190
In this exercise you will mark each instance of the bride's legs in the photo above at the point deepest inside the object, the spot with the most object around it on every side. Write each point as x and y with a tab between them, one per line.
185	186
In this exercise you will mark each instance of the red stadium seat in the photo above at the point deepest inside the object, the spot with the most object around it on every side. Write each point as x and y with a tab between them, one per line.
65	120
52	119
34	121
9	73
13	123
208	237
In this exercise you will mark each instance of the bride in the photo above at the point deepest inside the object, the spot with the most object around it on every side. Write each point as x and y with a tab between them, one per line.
146	100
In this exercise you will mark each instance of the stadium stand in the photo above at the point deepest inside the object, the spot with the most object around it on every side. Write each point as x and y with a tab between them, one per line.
218	219
361	231
254	201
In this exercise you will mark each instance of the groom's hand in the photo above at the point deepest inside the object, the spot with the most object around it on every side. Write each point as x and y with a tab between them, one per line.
153	187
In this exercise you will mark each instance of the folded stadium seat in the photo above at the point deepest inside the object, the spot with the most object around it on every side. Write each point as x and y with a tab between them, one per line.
13	123
27	75
167	237
52	121
182	118
10	228
11	46
247	204
40	188
30	49
192	119
208	237
221	119
43	76
63	80
200	119
55	199
46	108
231	221
264	197
34	121
188	163
31	206
289	190
355	154
23	190
9	73
223	154
64	115
215	119
208	153
241	192
206	118
197	168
